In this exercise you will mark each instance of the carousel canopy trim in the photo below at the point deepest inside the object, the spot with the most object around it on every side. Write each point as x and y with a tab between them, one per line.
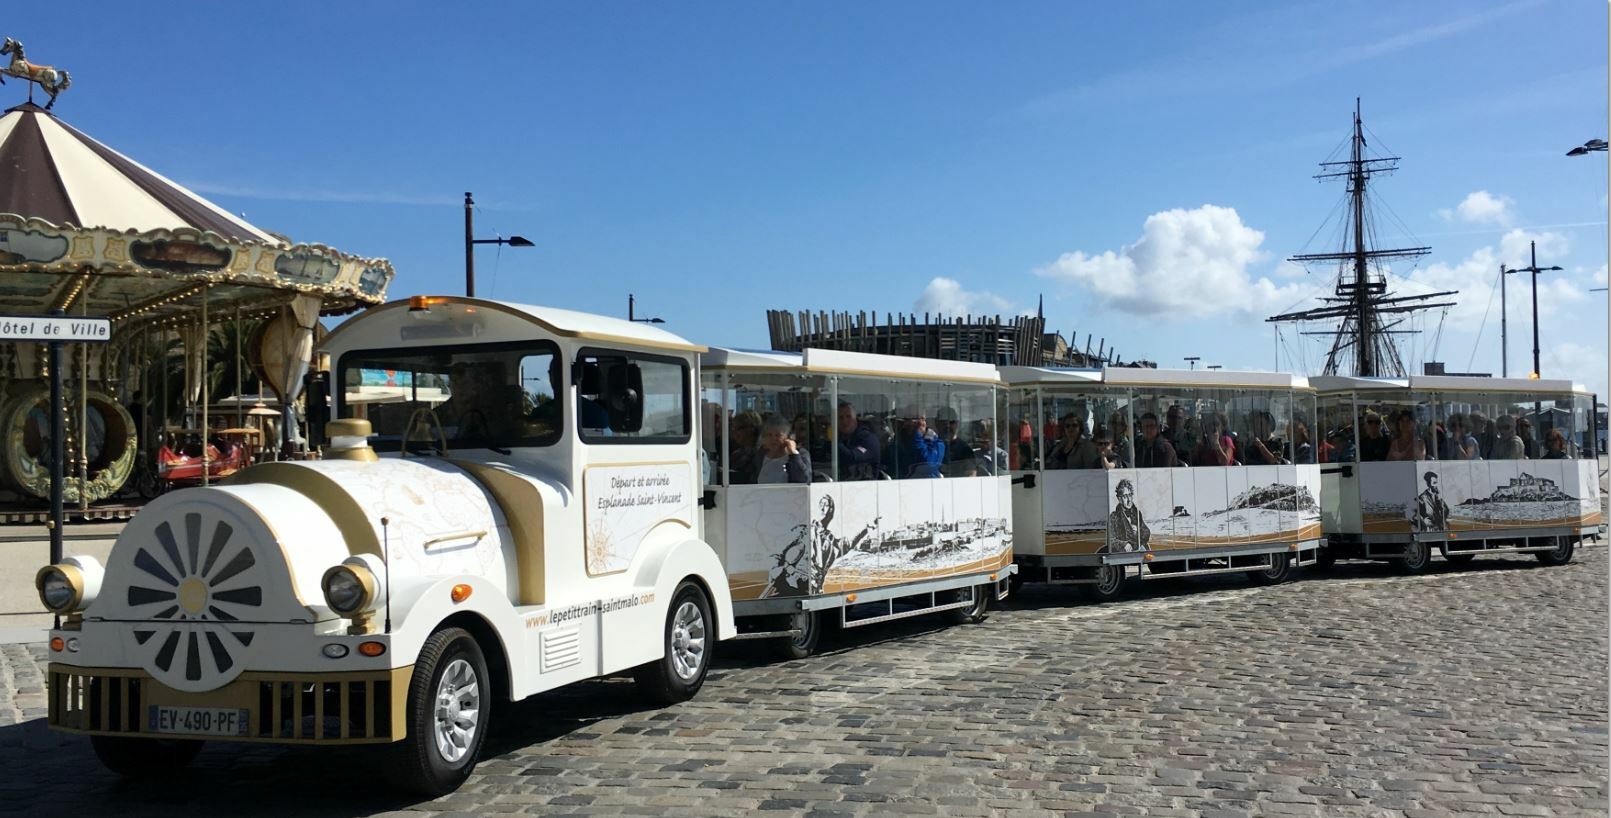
53	171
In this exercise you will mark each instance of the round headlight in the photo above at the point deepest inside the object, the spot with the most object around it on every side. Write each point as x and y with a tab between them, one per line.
61	588
348	589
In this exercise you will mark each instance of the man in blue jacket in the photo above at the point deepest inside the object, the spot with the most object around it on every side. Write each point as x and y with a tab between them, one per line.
858	447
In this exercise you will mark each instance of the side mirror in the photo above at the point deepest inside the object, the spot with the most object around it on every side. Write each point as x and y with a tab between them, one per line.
623	397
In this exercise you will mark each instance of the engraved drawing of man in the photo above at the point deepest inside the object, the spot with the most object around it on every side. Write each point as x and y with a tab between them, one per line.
1127	531
802	566
1431	513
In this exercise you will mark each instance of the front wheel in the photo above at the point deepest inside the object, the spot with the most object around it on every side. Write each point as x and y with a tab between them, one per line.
1280	571
680	671
976	612
1560	555
447	709
1415	559
1109	584
144	757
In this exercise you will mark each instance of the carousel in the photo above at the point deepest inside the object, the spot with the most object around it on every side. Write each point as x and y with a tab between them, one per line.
214	320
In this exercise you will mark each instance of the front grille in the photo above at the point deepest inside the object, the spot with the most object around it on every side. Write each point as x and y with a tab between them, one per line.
349	707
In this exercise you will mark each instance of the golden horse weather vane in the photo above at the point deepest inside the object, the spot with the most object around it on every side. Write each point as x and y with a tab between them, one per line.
51	80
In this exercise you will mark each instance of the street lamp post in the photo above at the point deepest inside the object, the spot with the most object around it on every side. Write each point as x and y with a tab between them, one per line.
1193	359
1504	337
1587	147
1535	270
470	243
632	314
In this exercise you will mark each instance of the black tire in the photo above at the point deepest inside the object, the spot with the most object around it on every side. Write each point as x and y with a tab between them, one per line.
810	626
144	757
1564	546
1459	559
976	613
1109	584
1416	558
1280	571
1015	581
687	641
1325	558
418	763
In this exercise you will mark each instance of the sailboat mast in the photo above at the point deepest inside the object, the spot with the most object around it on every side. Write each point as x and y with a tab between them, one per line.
1363	342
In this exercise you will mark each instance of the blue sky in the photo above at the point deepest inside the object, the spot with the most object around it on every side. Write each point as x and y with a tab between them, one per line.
1146	167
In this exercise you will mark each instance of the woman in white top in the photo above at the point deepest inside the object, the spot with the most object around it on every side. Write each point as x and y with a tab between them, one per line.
1507	446
781	458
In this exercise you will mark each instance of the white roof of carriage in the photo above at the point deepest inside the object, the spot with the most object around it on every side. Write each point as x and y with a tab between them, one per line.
1145	376
836	362
1443	383
567	323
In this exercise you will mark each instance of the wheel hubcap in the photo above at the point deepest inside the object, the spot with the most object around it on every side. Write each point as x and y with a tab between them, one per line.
458	710
1109	579
688	641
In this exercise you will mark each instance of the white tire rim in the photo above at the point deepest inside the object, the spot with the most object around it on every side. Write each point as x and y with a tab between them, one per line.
688	641
458	710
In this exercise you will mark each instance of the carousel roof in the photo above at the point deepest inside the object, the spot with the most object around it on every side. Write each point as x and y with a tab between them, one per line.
85	228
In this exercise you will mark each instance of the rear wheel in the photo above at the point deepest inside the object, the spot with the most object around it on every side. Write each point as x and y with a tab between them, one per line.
975	613
1415	559
1560	555
803	644
1280	571
144	757
447	710
1109	584
689	634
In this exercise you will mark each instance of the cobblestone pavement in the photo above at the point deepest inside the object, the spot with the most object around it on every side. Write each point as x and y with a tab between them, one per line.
1479	690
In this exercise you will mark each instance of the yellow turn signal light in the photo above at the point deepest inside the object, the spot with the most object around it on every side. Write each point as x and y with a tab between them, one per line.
57	643
461	592
850	597
371	648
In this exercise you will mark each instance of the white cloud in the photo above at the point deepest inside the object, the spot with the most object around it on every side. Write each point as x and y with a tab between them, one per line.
1477	279
1187	263
1482	207
1582	363
947	297
1599	276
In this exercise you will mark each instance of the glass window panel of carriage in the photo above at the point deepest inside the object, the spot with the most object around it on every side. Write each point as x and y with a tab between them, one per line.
712	414
1406	421
963	418
1086	414
472	396
1261	419
1335	440
665	402
1555	428
1455	426
915	450
862	427
1017	420
1165	416
1375	413
770	412
1506	423
1584	442
1305	427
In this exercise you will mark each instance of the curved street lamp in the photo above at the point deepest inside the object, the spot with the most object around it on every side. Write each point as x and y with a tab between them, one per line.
470	243
1587	148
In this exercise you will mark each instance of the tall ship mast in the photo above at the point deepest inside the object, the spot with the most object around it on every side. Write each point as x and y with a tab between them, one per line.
1367	313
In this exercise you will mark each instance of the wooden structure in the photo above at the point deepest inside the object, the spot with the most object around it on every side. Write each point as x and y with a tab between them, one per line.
1020	340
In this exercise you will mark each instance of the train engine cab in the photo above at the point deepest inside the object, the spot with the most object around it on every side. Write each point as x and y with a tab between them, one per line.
1123	474
1457	467
509	504
848	489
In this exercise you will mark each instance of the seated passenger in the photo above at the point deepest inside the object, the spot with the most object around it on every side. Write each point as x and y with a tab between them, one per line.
1303	451
959	460
1507	446
1104	448
858	447
1555	445
1524	430
744	448
1406	444
1373	440
1153	451
1462	444
781	458
1262	447
918	451
1483	430
1124	444
1073	449
1214	447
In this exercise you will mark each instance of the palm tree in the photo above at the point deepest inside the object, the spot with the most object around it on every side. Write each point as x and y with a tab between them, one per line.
223	363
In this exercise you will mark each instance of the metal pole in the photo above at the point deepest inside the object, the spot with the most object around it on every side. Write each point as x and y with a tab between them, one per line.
83	417
1536	373
469	245
58	451
206	463
1504	340
631	301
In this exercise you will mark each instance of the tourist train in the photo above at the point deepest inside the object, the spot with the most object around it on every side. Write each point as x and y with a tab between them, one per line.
548	496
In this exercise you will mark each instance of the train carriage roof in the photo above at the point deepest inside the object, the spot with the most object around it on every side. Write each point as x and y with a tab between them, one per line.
1443	383
564	323
856	364
1141	376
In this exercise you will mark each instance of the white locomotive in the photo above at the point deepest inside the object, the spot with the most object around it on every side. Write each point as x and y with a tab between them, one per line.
521	540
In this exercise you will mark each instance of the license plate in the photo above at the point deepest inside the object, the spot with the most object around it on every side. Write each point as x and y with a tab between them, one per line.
198	721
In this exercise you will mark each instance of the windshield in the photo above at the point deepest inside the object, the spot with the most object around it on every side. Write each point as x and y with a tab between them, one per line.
484	396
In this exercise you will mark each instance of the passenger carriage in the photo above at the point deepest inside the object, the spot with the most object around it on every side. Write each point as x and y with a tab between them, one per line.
1457	467
1240	494
893	503
525	518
